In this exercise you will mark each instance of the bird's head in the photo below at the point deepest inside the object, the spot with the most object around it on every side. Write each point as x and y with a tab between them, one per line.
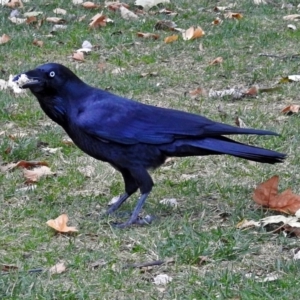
51	78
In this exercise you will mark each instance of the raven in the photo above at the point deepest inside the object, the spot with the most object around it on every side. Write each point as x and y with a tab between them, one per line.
131	136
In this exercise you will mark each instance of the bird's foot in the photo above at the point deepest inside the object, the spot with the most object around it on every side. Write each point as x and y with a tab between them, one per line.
139	221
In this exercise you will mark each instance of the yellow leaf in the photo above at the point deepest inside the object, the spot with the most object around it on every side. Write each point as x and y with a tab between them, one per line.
171	39
60	224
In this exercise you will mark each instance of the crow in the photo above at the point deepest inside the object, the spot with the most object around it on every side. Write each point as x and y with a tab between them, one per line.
131	136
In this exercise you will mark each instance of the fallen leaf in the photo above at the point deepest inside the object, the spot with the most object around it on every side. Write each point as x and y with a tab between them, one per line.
55	20
162	279
126	14
246	224
7	268
292	27
257	2
221	8
113	5
167	12
216	61
58	27
171	39
118	71
90	5
193	33
22	164
294	108
253	91
98	20
17	20
14	3
291	17
30	20
33	14
38	43
113	200
4	39
148	35
266	194
151	74
59	11
58	268
240	123
170	202
197	92
60	224
290	78
97	264
231	15
35	174
147	4
217	21
165	25
79	56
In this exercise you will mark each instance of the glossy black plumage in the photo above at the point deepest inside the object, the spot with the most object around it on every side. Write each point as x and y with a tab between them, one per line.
132	136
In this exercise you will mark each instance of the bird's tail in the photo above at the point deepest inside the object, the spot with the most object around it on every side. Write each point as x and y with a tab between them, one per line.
223	145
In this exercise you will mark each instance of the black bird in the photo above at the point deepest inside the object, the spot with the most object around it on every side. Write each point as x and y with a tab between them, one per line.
131	136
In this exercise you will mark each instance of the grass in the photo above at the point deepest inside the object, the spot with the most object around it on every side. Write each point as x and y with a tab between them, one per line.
214	193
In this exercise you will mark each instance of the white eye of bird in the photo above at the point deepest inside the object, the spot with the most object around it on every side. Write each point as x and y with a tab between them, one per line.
52	74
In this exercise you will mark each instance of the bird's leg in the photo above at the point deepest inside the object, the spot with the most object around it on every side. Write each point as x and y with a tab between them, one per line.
131	187
145	183
134	216
117	204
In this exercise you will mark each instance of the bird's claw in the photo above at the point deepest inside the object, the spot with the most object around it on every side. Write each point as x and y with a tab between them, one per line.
139	221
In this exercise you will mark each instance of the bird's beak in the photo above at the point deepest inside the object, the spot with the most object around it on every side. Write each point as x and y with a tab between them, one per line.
30	79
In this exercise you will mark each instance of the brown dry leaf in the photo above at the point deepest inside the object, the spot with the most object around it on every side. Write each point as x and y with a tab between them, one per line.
294	108
90	5
55	20
115	5
7	268
217	21
60	224
22	164
4	39
193	33
79	56
31	19
35	174
171	39
266	194
197	92
148	35
253	91
231	15
98	20
14	3
216	61
126	14
165	25
58	268
38	43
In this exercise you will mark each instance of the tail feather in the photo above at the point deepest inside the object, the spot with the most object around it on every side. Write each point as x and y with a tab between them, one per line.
223	145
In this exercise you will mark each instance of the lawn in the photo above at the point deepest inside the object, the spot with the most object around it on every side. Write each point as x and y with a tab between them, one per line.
206	256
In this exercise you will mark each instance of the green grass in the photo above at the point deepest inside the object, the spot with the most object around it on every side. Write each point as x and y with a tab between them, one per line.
211	202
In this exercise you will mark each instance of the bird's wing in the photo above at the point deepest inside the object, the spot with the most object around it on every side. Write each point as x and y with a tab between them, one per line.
124	121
